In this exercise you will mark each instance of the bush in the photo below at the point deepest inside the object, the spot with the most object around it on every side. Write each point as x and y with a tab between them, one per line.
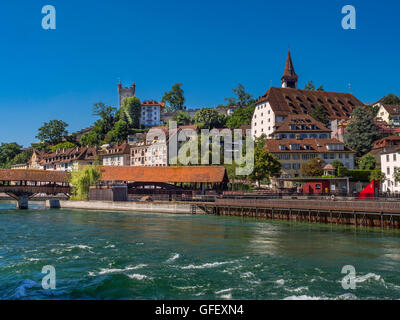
355	175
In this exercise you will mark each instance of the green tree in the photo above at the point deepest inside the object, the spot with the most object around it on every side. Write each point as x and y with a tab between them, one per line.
241	98
8	151
94	137
120	132
266	165
313	168
240	116
319	114
337	163
374	110
391	99
63	145
175	98
130	112
23	157
208	118
310	86
82	179
182	118
396	175
361	131
52	132
108	117
377	175
367	162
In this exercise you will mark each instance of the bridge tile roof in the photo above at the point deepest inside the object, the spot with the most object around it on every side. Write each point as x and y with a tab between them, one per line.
33	175
192	174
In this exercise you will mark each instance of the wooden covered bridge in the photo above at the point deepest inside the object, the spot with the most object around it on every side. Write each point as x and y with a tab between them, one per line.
22	185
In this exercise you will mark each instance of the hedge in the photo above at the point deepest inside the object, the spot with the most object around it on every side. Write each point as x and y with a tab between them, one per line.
355	175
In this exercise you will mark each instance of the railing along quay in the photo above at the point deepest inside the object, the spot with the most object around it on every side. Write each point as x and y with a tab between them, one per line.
384	214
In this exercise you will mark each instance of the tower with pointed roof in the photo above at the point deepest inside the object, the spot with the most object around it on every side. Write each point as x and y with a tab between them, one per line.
289	78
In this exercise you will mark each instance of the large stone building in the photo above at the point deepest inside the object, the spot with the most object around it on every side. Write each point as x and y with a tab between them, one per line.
293	153
152	111
278	103
69	159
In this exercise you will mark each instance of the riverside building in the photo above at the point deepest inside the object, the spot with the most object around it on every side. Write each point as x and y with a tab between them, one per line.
278	103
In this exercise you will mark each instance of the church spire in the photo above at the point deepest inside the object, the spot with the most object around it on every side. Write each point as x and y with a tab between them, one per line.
289	78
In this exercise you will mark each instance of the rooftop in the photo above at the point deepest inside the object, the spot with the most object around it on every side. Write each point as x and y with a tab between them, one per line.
305	146
192	174
285	101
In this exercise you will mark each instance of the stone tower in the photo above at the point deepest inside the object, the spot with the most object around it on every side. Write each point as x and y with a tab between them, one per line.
124	92
289	78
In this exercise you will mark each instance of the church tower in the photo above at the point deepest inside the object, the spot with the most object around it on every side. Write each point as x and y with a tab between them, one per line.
124	92
289	78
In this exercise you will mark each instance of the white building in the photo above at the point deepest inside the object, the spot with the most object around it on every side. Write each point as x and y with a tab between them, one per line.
390	160
389	113
116	156
277	103
152	113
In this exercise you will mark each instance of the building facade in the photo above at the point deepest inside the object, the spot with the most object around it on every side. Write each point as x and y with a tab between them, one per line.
389	114
117	155
293	153
390	161
68	159
278	103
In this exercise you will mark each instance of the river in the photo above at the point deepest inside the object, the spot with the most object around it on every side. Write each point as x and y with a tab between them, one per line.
122	255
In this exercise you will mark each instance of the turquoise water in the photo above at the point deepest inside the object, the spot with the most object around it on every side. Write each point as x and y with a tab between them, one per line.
111	255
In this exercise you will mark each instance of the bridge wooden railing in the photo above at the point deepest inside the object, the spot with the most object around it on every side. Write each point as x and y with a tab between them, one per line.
326	205
50	190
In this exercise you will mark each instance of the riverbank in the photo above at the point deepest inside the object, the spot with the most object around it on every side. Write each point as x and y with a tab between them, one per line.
161	207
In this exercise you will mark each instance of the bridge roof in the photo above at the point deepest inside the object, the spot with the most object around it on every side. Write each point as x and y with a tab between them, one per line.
212	174
33	175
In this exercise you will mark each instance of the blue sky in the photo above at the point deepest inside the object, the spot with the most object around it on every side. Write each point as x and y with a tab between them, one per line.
209	46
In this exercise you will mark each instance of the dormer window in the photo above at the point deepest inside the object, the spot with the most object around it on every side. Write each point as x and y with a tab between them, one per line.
294	147
282	147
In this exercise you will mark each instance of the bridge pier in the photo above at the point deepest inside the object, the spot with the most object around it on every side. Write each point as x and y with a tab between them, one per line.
53	204
22	202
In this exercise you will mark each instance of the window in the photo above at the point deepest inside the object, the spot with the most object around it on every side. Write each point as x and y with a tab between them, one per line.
286	166
283	156
394	157
387	158
388	170
294	147
296	157
282	147
296	166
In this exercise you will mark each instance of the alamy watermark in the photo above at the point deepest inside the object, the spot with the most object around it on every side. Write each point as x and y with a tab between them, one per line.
210	147
49	20
49	280
349	281
349	20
